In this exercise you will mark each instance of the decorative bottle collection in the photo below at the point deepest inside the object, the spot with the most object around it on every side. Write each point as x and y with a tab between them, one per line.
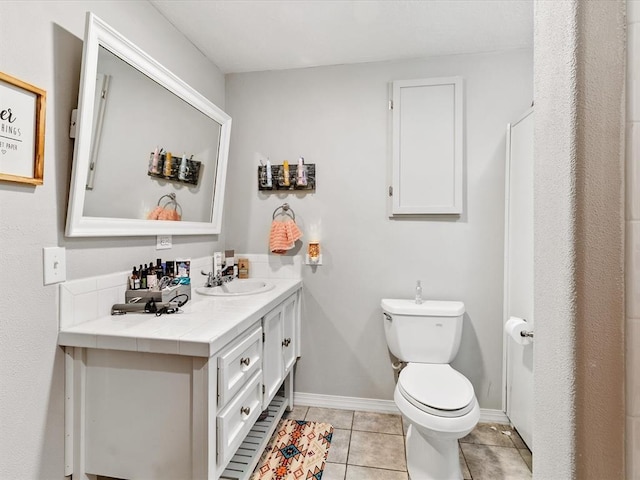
148	275
287	176
181	169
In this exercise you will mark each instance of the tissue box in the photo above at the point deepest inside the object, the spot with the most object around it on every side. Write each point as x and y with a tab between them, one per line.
159	296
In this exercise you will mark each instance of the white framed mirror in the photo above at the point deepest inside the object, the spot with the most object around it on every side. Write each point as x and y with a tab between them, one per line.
129	106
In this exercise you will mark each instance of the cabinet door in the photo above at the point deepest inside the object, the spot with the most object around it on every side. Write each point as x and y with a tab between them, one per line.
272	361
427	146
289	312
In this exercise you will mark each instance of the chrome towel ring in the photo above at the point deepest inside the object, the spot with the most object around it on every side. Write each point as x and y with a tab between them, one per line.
286	210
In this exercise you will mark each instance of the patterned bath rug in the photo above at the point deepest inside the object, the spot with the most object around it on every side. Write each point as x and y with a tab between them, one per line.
297	450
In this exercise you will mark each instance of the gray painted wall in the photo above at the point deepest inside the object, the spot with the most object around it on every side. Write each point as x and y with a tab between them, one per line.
41	43
337	118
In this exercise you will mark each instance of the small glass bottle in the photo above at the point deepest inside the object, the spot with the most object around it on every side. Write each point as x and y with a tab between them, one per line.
143	277
133	279
418	292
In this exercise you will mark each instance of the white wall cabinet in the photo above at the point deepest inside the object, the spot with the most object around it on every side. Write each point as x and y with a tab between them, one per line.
427	143
132	414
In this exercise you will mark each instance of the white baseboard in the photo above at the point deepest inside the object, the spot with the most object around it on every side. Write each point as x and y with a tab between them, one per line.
487	415
344	403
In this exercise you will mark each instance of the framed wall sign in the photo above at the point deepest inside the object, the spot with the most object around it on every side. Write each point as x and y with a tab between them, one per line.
22	115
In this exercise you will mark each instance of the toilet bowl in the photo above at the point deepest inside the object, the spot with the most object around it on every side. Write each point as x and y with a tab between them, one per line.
446	412
438	402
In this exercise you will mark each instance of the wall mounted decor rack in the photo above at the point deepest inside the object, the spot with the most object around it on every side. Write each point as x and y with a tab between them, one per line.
172	172
281	182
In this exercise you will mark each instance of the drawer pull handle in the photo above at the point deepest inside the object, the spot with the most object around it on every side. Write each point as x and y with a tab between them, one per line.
245	361
286	342
245	410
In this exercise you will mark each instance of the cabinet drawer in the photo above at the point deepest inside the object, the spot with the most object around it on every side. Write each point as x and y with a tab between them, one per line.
237	363
236	419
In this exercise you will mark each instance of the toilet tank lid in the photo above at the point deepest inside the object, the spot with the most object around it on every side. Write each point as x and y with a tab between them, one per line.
428	308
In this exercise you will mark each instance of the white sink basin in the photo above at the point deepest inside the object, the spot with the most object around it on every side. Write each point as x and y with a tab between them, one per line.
236	288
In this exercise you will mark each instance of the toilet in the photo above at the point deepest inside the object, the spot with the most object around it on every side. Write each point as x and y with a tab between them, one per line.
438	402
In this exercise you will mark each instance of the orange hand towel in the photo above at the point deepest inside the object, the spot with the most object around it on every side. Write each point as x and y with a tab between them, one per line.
283	236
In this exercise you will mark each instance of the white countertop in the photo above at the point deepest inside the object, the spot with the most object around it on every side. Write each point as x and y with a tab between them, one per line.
204	326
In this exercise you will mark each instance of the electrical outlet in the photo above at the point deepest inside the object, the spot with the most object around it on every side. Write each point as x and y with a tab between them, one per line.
55	265
163	242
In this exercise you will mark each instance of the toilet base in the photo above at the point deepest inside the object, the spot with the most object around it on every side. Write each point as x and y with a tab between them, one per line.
430	458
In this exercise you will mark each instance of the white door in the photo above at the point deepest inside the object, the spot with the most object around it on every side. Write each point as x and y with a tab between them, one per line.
519	272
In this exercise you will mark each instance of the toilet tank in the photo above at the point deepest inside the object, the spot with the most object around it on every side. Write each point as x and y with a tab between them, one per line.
429	332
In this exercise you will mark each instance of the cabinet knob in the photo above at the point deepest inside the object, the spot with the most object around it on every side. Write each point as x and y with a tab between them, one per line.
286	342
245	410
245	361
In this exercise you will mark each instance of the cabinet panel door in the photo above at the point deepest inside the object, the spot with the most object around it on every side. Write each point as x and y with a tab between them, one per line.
427	146
289	347
272	362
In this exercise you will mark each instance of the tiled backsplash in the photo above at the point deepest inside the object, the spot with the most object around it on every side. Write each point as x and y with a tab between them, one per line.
633	241
90	298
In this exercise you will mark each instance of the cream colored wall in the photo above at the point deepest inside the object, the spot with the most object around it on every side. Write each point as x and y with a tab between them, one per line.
41	43
633	241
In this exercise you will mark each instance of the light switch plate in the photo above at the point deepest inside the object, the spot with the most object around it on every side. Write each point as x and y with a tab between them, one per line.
163	242
55	264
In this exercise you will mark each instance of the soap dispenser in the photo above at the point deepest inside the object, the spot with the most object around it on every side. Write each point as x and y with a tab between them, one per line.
418	292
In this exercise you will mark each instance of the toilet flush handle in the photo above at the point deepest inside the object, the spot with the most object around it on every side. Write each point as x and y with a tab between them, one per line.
388	317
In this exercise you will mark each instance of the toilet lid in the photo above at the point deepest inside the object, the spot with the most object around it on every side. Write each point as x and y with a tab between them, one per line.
437	387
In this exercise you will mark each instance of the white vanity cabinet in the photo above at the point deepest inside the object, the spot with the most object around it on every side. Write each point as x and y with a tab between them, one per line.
280	345
183	407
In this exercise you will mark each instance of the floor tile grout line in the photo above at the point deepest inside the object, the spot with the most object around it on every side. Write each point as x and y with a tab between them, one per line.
349	446
466	463
378	433
376	468
404	447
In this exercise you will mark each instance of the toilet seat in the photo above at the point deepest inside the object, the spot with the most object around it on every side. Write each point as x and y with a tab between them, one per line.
437	389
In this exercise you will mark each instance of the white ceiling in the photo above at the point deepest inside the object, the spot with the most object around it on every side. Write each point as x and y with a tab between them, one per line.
256	35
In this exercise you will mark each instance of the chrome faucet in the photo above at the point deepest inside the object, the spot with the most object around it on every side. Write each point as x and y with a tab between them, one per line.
215	280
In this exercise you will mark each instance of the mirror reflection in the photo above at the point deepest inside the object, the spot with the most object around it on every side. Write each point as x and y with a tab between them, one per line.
147	144
150	154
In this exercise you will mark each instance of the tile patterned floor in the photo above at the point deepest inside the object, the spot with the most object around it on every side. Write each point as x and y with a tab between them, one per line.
370	446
